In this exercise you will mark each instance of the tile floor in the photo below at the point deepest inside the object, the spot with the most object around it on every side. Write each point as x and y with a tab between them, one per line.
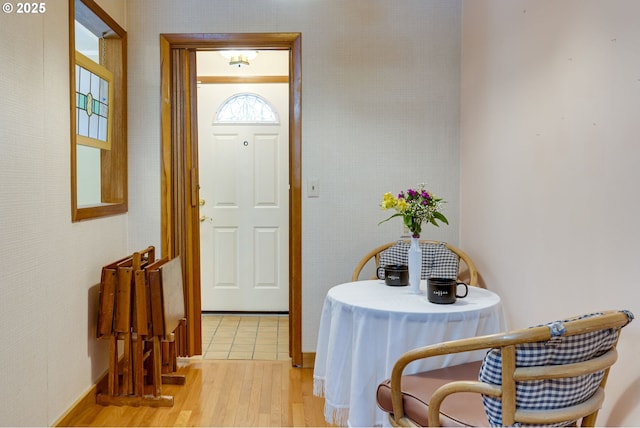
245	337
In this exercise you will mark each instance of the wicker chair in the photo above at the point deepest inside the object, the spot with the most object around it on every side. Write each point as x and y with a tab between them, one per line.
512	384
466	271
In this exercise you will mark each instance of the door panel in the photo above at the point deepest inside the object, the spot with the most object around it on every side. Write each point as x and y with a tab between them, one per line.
266	257
266	171
224	160
225	253
244	231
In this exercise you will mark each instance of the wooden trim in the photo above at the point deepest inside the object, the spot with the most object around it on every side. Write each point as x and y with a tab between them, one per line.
281	41
295	201
208	41
165	138
242	79
95	211
72	107
96	25
114	163
194	301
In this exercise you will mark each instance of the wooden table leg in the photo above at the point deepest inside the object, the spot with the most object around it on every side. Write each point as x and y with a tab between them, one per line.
113	387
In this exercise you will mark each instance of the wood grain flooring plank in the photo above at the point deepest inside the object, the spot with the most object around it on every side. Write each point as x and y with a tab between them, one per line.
223	393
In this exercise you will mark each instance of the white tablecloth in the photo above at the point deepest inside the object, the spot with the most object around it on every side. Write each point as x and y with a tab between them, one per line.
367	325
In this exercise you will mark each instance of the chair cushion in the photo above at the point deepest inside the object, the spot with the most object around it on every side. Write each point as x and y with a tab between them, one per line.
437	260
549	393
418	388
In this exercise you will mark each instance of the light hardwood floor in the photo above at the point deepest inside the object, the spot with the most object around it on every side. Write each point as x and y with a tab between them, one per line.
224	393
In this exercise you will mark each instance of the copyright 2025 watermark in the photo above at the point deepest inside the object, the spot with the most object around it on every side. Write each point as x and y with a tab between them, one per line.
30	8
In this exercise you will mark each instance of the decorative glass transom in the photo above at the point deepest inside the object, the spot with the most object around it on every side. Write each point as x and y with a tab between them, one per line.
246	108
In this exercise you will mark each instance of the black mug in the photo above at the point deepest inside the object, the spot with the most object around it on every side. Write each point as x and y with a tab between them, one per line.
444	290
394	275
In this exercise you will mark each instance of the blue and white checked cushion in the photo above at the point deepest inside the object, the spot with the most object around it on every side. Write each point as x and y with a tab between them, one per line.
551	393
437	260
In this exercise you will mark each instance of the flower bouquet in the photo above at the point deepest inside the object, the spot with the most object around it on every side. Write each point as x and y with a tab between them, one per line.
415	206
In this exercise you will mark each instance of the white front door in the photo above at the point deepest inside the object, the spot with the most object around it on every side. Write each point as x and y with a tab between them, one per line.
244	229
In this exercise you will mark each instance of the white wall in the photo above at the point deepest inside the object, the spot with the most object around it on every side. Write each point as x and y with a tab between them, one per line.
380	104
549	165
48	266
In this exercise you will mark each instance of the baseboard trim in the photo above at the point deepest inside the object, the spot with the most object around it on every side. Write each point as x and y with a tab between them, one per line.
87	400
308	360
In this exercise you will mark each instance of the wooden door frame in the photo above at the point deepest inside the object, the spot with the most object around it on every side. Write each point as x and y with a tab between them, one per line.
173	175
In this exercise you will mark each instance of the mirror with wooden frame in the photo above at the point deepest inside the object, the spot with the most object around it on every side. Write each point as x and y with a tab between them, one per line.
98	77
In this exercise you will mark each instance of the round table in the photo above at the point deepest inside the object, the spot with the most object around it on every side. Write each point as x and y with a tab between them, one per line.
366	325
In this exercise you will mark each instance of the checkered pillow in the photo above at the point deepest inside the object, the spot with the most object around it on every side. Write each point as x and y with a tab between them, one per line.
550	393
437	260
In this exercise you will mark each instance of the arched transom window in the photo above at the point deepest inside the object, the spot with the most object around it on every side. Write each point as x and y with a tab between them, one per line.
246	108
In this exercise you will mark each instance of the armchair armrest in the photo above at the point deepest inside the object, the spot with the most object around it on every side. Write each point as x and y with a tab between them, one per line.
458	386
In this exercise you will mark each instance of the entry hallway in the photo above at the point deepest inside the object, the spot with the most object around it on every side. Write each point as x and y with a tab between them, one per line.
223	393
245	337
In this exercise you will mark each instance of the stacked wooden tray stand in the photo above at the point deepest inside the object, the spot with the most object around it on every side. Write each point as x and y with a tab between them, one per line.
141	307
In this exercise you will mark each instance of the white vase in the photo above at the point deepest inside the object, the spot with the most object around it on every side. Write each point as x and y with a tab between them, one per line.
415	266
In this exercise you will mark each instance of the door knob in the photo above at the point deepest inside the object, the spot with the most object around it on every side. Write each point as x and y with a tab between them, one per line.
205	218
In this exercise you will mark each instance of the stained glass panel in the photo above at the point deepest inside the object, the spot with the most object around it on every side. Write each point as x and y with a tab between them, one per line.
93	97
246	108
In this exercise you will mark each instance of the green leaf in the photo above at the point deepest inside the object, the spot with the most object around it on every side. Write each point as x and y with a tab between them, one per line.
441	217
395	215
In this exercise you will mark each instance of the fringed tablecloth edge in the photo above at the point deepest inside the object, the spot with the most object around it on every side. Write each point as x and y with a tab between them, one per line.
318	386
333	414
336	416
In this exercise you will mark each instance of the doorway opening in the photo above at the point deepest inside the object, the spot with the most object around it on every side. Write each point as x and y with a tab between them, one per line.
180	179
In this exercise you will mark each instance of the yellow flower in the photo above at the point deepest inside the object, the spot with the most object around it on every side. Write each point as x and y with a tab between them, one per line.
388	201
402	205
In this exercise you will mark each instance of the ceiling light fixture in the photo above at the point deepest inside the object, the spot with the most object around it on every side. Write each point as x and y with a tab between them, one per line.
239	57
